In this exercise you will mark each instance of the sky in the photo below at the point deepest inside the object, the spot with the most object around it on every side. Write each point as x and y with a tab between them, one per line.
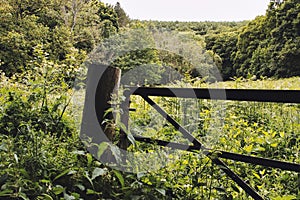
193	10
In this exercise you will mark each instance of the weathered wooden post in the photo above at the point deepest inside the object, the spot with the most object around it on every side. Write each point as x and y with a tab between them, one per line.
102	82
107	86
97	123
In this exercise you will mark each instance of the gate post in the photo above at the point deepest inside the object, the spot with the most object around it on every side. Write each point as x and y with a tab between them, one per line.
107	86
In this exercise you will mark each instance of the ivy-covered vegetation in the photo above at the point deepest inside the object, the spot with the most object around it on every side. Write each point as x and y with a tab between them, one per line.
43	45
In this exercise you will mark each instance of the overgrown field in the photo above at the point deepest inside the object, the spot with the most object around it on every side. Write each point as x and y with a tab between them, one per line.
42	156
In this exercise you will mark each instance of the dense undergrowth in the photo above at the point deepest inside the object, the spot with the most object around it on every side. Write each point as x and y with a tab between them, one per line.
42	156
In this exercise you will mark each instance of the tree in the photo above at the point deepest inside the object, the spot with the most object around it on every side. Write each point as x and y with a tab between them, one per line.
123	18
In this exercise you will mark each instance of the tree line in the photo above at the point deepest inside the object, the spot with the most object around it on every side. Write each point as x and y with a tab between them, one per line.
267	46
68	30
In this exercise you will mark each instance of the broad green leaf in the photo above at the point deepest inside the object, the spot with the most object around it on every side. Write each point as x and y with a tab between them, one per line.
110	110
262	172
89	191
46	197
76	195
185	162
120	177
80	186
89	158
45	181
88	178
281	134
274	145
260	140
273	134
116	152
248	148
72	172
101	148
68	197
62	174
58	189
131	138
97	172
127	132
256	175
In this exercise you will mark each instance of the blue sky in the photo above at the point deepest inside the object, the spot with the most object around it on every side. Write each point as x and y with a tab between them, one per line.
193	10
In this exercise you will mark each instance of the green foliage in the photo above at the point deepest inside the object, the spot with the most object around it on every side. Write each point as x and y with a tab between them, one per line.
41	154
21	111
64	29
43	158
199	28
43	43
268	46
225	46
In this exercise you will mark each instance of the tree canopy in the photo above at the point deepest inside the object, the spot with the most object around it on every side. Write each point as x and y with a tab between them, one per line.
267	46
63	29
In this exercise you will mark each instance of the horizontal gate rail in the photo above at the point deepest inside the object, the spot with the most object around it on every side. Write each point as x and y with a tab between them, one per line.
277	96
